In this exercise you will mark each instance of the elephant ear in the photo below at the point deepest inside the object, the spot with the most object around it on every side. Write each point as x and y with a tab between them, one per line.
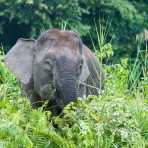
20	58
85	70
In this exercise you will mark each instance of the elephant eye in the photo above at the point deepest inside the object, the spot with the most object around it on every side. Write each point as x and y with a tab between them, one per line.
81	64
48	62
79	67
47	65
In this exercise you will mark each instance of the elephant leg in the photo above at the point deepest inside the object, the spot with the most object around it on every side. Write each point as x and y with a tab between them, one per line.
54	107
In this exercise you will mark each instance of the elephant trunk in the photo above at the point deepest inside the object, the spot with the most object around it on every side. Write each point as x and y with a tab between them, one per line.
66	80
69	91
66	87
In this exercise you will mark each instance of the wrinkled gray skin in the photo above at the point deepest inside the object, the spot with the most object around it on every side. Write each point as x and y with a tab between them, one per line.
56	62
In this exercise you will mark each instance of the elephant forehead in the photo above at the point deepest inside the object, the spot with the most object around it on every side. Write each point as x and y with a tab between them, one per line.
67	54
60	38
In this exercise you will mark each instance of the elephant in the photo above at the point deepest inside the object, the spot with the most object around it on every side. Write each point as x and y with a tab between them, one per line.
57	67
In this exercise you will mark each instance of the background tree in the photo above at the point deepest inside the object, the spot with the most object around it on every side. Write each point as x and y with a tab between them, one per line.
27	18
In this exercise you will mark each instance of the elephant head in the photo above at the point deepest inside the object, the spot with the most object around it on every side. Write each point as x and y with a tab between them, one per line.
58	60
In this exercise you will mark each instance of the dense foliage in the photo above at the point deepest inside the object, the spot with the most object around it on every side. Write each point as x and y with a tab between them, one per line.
26	18
117	118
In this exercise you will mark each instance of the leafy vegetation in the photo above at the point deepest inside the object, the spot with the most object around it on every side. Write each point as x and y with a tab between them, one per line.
117	118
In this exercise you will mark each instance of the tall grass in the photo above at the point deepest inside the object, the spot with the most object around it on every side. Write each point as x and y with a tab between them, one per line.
138	74
102	47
